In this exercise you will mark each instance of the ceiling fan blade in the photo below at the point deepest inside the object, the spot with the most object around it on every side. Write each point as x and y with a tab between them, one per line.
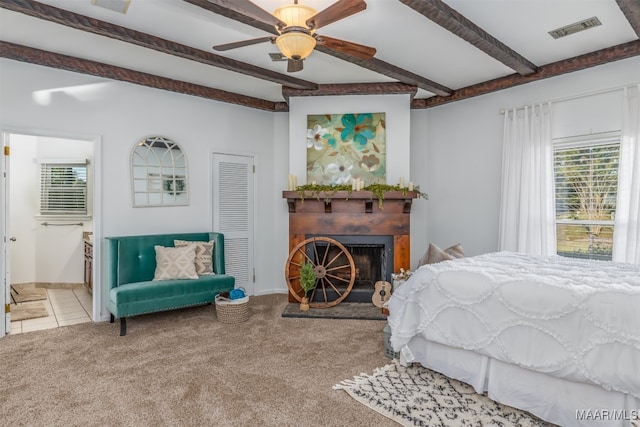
229	46
247	7
294	65
339	10
350	48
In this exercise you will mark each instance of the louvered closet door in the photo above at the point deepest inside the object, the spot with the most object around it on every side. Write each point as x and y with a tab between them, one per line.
233	207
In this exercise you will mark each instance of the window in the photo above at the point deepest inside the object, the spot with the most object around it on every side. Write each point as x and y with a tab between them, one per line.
63	188
586	182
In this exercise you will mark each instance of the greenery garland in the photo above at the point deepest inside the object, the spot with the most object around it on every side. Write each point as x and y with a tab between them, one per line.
378	190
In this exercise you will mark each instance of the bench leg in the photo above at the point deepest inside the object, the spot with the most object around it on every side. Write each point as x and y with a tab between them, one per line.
123	326
112	319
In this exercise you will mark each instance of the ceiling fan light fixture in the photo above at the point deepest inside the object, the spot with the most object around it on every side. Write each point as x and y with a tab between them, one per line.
295	15
296	45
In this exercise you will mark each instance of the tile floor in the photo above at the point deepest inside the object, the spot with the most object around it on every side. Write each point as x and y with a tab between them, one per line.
65	307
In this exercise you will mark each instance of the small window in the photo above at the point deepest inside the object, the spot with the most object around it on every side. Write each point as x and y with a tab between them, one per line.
586	181
63	189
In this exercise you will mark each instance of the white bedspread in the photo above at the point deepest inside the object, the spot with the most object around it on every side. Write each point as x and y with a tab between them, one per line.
573	319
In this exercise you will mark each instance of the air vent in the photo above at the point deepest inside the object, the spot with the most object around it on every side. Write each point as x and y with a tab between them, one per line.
116	5
575	28
276	57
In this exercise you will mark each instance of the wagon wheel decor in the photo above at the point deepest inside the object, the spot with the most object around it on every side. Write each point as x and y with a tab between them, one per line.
333	266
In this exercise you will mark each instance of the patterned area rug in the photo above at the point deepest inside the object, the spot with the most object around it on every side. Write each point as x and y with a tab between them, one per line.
416	396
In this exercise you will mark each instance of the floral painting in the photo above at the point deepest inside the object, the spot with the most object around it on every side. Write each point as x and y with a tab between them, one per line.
341	147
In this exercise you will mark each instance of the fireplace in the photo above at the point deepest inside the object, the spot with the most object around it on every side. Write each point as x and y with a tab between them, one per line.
373	259
376	236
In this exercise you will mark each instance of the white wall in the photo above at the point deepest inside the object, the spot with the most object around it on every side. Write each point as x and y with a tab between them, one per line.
278	247
420	161
60	249
462	163
121	114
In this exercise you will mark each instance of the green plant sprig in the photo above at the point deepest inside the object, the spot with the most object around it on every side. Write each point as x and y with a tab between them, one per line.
316	189
307	277
378	190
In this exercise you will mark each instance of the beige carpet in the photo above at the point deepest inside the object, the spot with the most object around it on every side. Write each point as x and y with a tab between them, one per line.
28	310
184	368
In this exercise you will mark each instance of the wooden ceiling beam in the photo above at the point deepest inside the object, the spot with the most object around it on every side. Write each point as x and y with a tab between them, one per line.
577	63
390	70
229	9
631	10
69	63
448	18
352	89
226	8
94	26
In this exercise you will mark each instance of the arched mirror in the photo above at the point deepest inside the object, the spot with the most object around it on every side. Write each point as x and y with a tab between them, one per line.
159	173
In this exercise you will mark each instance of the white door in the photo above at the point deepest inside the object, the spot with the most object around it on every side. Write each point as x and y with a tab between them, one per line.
233	215
5	243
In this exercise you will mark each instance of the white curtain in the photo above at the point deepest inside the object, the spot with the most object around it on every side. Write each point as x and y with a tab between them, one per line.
527	205
626	235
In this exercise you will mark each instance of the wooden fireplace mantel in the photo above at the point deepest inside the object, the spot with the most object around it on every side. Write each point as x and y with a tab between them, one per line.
364	199
353	214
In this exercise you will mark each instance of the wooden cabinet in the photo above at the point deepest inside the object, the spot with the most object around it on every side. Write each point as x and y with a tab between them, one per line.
88	264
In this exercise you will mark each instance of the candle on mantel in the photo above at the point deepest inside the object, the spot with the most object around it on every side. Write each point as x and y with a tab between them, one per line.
410	185
292	182
401	182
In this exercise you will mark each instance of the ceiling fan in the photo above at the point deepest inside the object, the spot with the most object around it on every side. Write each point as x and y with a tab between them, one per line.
296	25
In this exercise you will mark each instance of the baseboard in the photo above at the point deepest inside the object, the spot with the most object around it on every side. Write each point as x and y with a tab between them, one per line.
50	285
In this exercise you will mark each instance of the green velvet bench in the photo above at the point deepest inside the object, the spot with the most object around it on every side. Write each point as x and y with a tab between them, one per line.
132	266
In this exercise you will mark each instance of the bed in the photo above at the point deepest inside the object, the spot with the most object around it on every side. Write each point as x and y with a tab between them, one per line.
556	336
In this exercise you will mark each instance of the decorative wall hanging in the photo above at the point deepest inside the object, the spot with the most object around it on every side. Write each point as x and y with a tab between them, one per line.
344	147
159	173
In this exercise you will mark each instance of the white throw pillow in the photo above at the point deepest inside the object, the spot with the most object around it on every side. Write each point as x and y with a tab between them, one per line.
204	255
175	263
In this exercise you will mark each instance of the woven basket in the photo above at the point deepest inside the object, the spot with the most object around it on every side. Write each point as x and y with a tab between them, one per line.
232	311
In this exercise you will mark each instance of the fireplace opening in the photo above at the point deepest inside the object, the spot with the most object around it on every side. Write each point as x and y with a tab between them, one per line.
372	258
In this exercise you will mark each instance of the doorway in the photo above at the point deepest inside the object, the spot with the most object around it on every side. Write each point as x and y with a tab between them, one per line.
49	210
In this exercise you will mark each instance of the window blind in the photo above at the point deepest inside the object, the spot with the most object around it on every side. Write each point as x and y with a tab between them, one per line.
586	183
63	189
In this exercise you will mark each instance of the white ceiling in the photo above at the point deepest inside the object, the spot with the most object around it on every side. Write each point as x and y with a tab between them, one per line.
401	36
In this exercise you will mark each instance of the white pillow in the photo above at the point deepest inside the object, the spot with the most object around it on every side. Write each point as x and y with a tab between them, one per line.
175	263
204	254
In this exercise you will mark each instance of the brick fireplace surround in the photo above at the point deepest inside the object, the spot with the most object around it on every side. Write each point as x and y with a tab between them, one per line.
353	215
